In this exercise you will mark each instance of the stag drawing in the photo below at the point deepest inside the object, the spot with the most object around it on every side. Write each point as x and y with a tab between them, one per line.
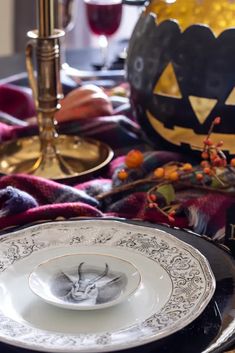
89	286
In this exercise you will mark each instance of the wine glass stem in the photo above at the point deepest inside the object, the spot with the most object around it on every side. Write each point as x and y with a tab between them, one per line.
103	44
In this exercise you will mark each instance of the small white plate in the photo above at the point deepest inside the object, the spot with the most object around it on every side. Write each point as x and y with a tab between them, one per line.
84	281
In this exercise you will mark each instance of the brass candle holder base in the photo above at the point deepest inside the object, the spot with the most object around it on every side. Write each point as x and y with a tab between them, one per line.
49	155
75	157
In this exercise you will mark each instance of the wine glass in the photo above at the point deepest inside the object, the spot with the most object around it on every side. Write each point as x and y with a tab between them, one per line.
104	18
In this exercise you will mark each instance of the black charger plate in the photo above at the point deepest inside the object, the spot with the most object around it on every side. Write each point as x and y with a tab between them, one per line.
214	330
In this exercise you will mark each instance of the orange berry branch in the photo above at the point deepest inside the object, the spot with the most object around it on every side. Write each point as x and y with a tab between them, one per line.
212	174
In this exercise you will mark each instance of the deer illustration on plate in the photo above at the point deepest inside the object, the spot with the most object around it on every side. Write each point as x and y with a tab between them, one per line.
89	285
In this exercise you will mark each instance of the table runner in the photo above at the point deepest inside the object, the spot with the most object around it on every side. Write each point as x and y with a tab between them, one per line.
26	199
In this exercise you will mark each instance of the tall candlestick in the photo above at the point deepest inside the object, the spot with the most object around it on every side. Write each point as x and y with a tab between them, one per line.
49	155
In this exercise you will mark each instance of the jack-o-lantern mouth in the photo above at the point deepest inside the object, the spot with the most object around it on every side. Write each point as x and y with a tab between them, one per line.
181	135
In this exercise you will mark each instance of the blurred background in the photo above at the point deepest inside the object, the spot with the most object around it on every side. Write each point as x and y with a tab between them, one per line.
18	16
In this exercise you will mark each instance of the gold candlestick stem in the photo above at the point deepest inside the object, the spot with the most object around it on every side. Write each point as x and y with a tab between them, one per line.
46	18
50	164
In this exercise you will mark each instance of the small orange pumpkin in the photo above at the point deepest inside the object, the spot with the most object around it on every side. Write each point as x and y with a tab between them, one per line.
134	159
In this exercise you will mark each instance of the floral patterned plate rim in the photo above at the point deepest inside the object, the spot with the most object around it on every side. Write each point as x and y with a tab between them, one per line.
177	284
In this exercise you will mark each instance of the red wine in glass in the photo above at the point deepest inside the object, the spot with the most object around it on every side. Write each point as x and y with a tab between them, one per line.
104	18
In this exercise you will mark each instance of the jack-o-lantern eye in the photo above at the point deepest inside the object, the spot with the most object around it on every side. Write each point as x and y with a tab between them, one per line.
231	98
167	84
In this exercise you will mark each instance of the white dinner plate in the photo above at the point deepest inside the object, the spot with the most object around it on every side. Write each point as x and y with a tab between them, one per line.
176	286
84	281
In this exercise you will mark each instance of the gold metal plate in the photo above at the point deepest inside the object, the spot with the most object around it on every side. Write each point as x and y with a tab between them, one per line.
83	155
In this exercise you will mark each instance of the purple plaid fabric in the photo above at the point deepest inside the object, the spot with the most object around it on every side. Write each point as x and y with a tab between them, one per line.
25	199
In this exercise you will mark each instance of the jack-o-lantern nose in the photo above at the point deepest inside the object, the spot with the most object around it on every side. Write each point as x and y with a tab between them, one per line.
202	107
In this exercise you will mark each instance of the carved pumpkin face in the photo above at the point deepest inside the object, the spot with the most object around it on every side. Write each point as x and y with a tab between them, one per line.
181	81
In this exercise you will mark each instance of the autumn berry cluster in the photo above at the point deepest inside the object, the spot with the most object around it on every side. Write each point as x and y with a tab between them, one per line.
133	159
213	163
212	156
155	196
172	171
168	212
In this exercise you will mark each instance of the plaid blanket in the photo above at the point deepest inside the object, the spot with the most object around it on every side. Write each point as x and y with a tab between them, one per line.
26	199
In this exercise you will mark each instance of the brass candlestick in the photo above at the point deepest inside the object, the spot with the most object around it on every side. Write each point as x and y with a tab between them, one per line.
50	155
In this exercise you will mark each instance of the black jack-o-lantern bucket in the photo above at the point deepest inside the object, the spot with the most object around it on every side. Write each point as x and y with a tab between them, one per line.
181	69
